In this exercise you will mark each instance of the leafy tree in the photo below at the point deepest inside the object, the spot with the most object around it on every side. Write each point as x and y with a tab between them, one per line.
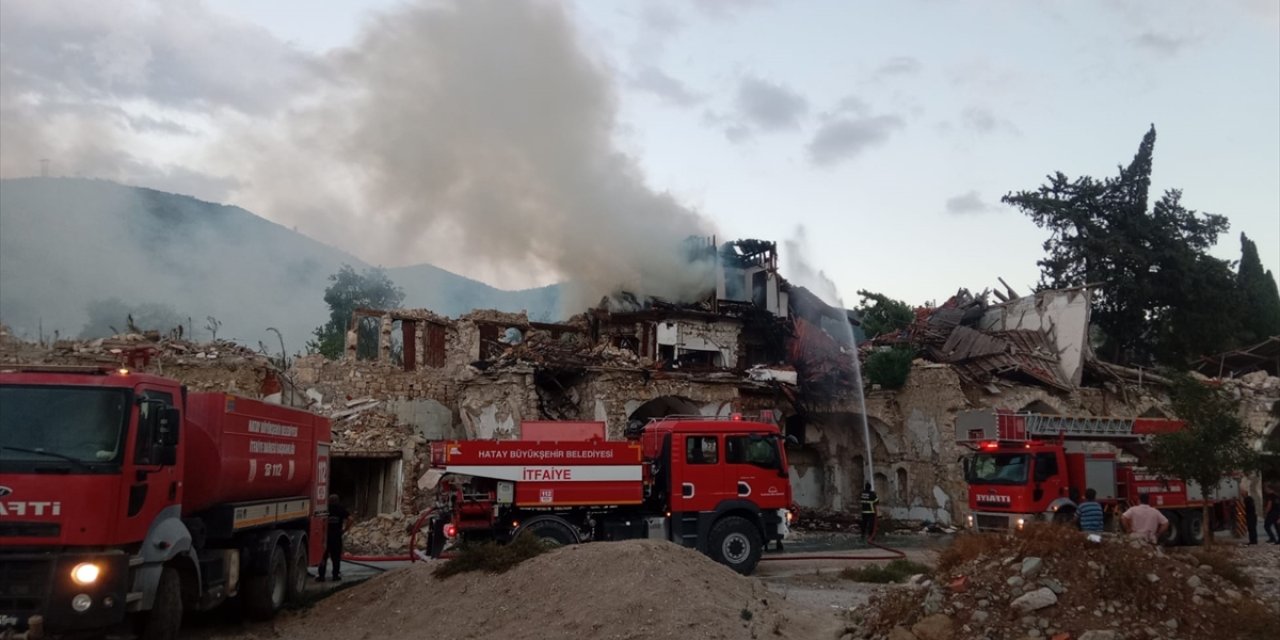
1214	443
347	292
113	316
881	314
1158	295
889	367
1261	317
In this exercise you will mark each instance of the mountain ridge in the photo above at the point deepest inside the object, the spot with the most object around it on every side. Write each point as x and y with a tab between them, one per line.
68	242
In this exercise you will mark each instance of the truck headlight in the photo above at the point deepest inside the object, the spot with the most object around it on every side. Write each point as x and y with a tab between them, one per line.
85	573
1020	523
969	519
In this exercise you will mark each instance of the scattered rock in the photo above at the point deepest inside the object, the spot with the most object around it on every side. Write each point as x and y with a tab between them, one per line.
979	616
1053	585
934	627
901	633
1172	623
1153	578
1031	567
1193	581
1015	581
1105	634
1035	600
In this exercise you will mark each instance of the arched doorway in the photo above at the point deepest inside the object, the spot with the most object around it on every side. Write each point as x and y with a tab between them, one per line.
661	407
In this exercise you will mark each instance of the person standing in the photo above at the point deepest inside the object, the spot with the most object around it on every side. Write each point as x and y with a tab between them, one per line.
869	512
1271	511
1144	522
1089	514
339	522
1250	514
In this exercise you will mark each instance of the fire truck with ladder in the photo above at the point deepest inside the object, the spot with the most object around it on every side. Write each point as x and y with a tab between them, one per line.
1028	466
719	485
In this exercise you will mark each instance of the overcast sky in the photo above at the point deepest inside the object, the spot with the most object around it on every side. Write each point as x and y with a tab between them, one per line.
878	136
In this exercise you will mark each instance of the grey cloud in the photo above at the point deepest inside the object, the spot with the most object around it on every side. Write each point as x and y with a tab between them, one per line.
1162	43
737	133
844	137
726	8
174	53
159	125
770	106
660	19
985	121
899	66
968	203
655	81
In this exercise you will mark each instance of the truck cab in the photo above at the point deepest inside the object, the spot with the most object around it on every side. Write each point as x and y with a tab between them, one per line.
709	470
89	461
1012	483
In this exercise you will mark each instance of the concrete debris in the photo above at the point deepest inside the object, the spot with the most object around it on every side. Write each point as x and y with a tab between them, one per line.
1090	590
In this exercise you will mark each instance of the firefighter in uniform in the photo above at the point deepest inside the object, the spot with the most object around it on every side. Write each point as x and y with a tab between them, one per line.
869	502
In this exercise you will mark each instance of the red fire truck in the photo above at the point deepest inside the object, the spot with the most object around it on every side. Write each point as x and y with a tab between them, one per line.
1029	467
717	485
125	500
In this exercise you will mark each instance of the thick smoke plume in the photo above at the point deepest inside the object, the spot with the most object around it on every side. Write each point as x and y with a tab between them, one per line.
477	136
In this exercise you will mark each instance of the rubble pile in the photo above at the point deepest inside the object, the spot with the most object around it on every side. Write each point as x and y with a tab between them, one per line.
567	351
636	589
1051	582
953	334
137	349
385	534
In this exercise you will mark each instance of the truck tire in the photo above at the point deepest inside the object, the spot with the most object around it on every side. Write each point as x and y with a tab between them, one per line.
735	543
1173	535
553	531
1192	523
297	572
165	617
265	594
1065	515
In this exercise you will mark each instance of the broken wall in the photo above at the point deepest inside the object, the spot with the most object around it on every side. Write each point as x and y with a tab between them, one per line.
1063	315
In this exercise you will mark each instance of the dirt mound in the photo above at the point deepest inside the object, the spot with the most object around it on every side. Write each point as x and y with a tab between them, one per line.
634	590
1052	582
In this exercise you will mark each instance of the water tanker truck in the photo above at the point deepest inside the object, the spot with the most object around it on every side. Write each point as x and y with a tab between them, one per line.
716	485
125	501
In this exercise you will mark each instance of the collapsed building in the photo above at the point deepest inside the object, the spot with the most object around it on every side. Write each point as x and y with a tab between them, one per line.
754	345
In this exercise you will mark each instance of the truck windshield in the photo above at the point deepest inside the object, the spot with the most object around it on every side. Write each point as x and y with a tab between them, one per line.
998	468
60	424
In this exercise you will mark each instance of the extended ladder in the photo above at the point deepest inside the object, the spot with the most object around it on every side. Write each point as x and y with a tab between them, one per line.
985	425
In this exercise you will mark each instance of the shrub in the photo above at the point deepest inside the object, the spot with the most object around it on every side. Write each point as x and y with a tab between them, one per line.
492	557
889	368
895	571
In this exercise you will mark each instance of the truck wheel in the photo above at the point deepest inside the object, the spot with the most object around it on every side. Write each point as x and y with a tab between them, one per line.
553	531
165	617
1192	527
297	572
1173	535
735	542
264	594
1065	515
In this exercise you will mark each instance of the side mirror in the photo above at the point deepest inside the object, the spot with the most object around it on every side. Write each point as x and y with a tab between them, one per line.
167	428
167	454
